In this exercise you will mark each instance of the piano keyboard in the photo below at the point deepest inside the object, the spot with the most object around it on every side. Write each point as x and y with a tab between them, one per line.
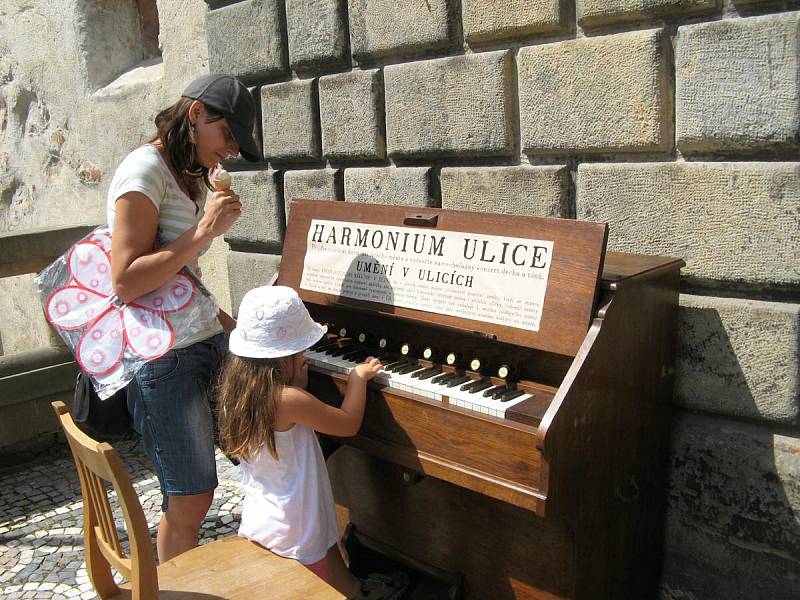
408	375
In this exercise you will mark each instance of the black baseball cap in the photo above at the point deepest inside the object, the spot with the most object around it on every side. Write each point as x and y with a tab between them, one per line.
231	98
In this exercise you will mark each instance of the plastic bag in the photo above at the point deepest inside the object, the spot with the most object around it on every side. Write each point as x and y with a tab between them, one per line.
112	340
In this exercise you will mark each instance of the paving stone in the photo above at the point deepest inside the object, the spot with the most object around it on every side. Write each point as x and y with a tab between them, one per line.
33	566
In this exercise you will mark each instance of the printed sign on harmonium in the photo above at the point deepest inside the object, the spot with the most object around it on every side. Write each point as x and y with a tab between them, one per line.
489	278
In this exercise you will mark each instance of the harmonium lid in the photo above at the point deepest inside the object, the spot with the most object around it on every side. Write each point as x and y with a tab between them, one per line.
527	281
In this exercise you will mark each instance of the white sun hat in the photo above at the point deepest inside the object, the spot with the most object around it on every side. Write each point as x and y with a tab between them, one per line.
273	322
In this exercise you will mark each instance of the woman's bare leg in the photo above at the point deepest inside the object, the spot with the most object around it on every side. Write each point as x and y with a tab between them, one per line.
179	526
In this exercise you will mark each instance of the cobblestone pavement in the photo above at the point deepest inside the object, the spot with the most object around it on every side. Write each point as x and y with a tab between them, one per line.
41	518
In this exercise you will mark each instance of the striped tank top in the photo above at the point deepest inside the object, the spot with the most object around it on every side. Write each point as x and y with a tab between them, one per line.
145	171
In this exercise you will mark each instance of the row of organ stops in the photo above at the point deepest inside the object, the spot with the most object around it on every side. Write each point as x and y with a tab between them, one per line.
425	364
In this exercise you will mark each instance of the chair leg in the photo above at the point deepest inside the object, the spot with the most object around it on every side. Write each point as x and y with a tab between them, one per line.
100	571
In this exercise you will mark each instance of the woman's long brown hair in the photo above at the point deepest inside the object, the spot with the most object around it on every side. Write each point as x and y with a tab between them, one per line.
247	401
173	131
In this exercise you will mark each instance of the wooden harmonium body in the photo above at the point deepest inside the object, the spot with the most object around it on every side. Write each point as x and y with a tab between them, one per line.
518	432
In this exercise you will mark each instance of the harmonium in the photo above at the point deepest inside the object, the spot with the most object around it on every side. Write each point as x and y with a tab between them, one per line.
518	433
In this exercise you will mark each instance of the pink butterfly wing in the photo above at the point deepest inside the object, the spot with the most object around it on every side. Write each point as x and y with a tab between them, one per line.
171	297
73	307
148	334
100	348
102	237
89	264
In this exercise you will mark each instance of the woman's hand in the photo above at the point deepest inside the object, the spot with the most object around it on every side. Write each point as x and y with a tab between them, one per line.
222	210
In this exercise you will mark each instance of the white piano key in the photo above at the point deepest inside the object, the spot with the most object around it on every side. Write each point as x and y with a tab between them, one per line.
474	401
486	405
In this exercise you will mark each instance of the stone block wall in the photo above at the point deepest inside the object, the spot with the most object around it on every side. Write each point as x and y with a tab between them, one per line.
675	121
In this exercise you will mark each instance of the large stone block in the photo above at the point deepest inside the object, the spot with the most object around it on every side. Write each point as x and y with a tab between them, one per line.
248	270
289	121
730	222
610	93
389	185
738	84
489	20
602	12
461	106
317	32
734	496
262	222
351	115
739	357
534	191
246	39
381	28
315	184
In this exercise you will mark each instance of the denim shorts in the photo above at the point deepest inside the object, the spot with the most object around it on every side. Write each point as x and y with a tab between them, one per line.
171	406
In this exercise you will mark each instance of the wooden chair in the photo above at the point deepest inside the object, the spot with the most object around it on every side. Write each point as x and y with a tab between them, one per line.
233	567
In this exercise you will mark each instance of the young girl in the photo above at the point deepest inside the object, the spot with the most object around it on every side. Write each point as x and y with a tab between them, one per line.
267	420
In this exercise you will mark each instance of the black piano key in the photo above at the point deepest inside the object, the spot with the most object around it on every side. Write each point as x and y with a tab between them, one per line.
457	381
425	373
354	354
476	385
480	386
510	395
409	369
322	343
339	351
431	372
499	389
444	378
394	366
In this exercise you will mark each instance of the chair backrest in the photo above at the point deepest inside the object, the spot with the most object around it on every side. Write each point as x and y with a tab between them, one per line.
99	464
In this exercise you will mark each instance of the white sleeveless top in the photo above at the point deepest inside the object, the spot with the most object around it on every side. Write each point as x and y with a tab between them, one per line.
288	505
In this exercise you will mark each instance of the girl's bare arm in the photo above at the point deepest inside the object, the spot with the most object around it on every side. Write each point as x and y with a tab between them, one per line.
298	406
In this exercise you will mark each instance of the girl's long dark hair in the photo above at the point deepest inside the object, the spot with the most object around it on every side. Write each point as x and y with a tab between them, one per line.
173	131
247	401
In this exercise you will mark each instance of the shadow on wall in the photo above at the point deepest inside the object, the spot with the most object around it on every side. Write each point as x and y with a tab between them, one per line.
731	530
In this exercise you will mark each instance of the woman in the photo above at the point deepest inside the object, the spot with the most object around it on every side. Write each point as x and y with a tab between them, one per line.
160	224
